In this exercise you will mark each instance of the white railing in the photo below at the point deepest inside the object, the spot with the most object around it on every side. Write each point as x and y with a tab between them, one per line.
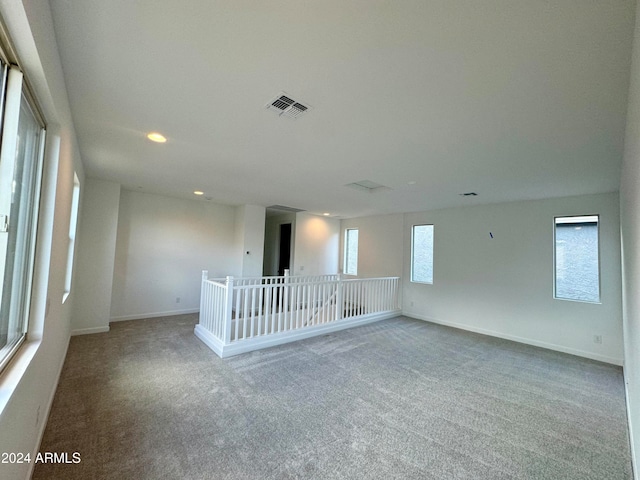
244	314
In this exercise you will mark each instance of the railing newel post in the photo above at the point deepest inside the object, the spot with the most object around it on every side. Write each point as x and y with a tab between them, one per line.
228	310
339	297
201	313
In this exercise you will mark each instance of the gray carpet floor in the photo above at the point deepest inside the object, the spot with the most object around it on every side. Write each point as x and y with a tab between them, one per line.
398	399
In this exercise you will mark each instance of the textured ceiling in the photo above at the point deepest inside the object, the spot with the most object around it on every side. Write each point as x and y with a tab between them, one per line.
510	99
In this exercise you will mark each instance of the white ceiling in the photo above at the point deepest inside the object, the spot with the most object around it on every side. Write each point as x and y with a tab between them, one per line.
510	99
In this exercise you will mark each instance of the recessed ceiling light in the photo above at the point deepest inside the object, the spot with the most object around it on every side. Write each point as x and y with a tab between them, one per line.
198	192
156	137
412	182
326	214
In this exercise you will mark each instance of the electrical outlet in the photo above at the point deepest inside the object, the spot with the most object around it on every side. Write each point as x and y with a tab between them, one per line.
597	339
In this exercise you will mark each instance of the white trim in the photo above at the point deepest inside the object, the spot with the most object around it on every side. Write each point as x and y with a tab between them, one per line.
209	339
514	338
153	315
14	371
89	331
257	343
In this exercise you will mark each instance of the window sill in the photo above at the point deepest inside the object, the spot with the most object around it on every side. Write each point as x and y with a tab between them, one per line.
14	372
575	300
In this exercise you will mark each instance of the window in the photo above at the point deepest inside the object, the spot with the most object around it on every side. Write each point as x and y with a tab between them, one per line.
351	251
577	272
20	173
73	223
422	253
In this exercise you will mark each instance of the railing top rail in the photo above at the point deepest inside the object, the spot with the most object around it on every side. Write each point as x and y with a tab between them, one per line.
270	277
369	278
279	285
276	281
238	285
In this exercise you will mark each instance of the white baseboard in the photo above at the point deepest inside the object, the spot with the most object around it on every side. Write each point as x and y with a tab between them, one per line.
88	331
527	341
281	338
141	316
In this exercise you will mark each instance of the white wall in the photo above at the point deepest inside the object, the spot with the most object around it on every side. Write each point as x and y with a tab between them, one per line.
380	244
163	245
95	257
27	386
250	230
503	286
317	243
630	232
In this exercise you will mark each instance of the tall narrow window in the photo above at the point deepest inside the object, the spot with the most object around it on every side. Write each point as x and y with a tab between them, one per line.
422	254
20	173
577	269
351	251
73	224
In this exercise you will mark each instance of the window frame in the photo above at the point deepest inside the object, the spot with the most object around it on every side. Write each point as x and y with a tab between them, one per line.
345	268
555	258
30	221
413	245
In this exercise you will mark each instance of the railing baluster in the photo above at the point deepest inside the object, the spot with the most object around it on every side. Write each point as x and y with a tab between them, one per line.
295	306
279	307
244	315
268	305
267	300
260	314
274	306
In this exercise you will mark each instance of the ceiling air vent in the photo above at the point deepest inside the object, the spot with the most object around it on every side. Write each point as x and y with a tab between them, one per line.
469	194
283	104
367	186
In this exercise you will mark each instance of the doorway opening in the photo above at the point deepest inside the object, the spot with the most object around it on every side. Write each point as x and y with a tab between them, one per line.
284	249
